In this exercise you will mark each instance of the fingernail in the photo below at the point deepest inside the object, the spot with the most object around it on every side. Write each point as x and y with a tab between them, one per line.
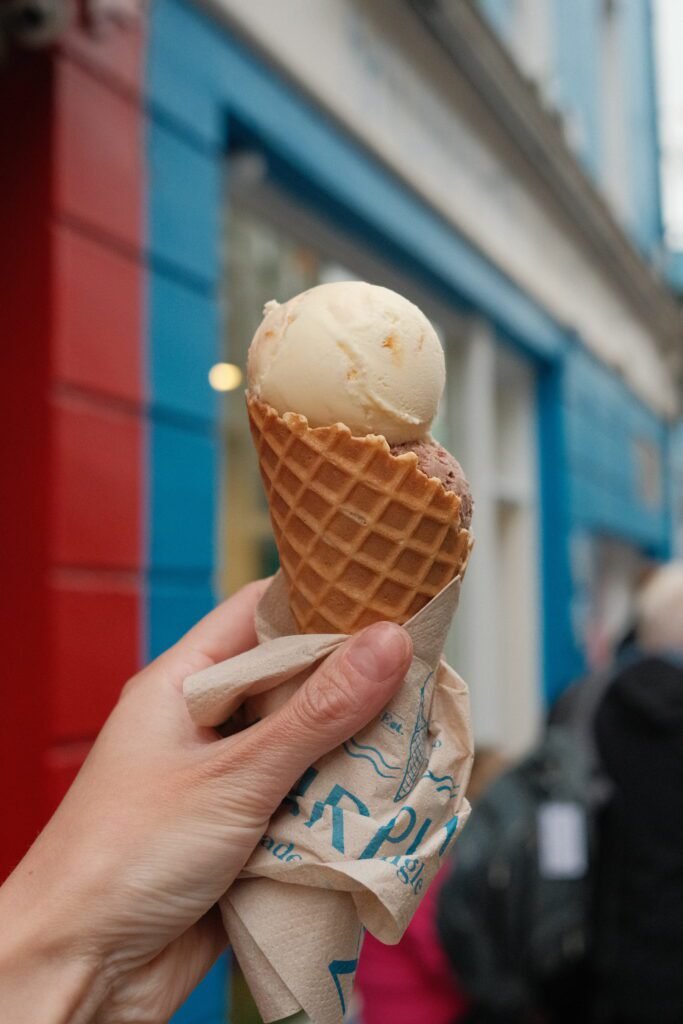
379	650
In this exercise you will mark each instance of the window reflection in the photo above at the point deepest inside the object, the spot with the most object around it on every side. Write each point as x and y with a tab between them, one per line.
263	262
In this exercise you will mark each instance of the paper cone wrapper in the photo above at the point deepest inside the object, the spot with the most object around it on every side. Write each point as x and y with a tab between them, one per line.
359	840
363	534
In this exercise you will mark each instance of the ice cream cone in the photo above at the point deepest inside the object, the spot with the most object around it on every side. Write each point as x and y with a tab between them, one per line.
363	534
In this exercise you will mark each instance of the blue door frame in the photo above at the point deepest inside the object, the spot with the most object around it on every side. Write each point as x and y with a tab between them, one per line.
202	85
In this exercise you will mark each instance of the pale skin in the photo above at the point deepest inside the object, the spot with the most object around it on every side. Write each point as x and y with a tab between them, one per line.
112	916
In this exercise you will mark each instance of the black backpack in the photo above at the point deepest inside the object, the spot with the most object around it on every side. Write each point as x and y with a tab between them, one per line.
514	913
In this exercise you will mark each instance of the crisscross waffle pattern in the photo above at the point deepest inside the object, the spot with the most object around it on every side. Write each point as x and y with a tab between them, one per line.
363	535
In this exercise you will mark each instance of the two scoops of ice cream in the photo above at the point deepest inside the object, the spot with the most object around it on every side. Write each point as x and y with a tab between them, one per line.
371	516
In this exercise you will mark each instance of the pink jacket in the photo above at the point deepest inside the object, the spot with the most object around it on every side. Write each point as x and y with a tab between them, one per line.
410	983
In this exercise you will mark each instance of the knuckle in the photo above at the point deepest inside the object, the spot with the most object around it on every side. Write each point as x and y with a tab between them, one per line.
229	760
222	782
187	661
217	762
328	697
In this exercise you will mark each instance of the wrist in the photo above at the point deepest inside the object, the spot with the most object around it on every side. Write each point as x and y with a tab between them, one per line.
44	977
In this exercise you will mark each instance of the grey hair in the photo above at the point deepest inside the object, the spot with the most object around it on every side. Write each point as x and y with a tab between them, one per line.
659	610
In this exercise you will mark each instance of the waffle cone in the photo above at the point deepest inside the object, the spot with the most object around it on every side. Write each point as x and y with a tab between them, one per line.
363	535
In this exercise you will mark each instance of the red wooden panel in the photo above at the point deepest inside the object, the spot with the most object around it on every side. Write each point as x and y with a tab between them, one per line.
61	766
96	475
95	649
97	316
112	50
98	154
25	97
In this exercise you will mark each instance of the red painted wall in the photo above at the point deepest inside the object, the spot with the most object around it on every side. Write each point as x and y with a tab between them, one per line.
72	512
25	118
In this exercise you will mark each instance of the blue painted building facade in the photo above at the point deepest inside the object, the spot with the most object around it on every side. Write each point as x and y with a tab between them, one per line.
206	87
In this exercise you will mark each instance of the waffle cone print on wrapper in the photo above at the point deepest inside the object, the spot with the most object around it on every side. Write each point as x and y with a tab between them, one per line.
362	835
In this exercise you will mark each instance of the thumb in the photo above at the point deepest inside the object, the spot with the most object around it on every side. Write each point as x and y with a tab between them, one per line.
344	693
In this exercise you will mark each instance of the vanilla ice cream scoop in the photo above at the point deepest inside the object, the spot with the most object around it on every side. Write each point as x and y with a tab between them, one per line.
351	353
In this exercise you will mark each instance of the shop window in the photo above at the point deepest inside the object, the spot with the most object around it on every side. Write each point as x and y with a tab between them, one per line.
607	573
268	255
262	263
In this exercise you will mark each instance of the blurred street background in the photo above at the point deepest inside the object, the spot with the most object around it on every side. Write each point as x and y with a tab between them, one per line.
515	167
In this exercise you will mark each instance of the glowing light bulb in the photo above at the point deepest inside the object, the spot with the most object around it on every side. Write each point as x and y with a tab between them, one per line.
225	376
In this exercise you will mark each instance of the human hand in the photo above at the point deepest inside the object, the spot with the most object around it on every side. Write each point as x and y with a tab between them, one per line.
111	917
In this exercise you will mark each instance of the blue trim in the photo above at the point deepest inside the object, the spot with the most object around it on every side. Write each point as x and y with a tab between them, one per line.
182	205
182	499
172	608
562	659
184	324
604	423
184	220
184	211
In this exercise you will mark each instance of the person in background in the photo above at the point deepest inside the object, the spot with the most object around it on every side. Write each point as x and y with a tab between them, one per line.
565	902
412	982
638	940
